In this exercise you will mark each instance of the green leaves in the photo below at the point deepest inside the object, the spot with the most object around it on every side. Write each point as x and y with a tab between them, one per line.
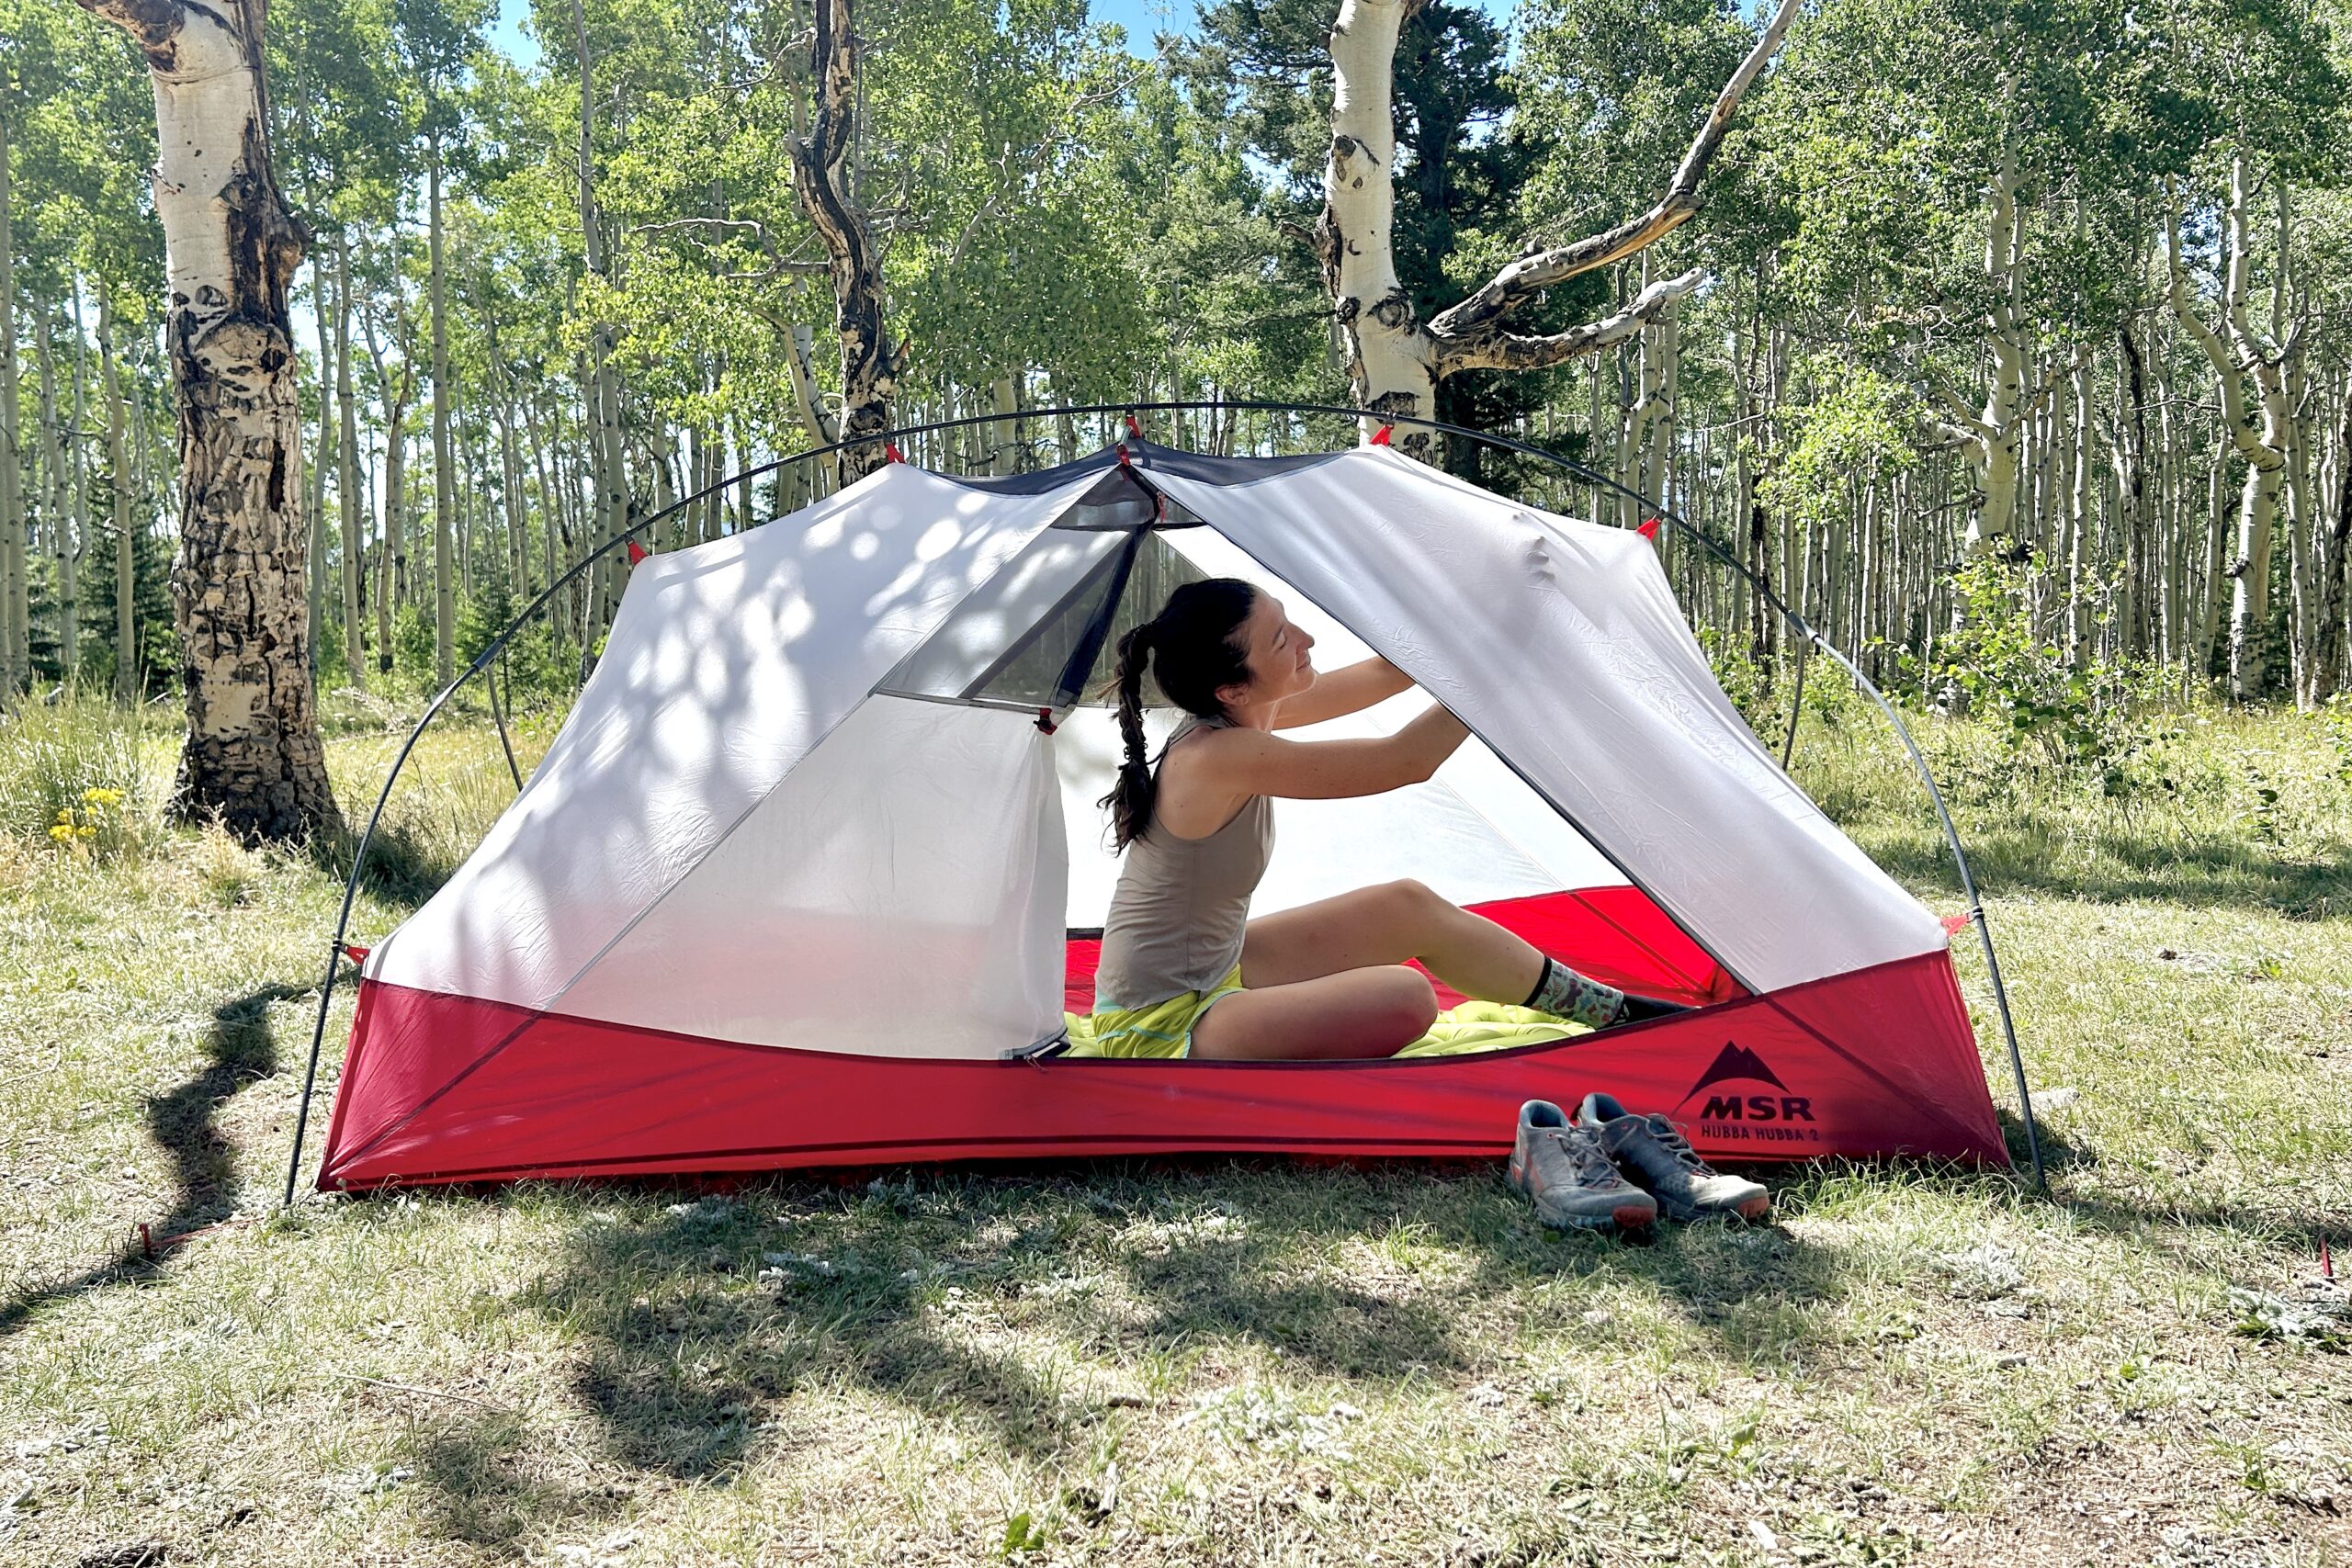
1023	1533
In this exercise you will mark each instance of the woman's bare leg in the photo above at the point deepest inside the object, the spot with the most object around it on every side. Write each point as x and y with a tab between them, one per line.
1362	1012
1387	925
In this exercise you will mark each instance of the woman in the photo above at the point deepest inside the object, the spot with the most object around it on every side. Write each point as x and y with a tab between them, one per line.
1325	979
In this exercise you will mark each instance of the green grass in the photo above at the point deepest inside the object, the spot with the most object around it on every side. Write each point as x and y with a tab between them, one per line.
1219	1361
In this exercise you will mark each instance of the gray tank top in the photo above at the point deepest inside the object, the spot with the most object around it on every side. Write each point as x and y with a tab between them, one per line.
1176	918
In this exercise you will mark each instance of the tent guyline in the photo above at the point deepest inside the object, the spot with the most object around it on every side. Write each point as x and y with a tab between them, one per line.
483	661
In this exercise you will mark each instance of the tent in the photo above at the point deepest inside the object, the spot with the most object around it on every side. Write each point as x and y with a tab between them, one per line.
814	866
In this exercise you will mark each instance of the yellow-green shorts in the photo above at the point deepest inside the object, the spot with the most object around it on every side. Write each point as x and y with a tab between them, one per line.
1161	1029
1165	1029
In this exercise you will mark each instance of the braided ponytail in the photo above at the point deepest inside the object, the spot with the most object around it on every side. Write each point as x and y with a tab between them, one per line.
1190	648
1130	799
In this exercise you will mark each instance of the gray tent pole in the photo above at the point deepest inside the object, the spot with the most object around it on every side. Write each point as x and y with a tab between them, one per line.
1975	905
1796	707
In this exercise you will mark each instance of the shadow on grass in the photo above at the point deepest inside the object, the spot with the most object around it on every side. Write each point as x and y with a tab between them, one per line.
700	1322
958	1298
2201	872
478	1482
242	1049
2059	1153
403	870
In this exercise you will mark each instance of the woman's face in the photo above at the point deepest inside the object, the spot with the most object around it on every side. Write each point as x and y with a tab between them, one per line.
1279	655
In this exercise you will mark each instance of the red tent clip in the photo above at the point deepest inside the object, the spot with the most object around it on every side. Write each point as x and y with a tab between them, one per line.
637	552
890	452
1956	924
1127	459
1648	530
1380	438
356	952
1045	720
1133	428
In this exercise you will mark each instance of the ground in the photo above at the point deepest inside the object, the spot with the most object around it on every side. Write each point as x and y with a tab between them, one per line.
1208	1361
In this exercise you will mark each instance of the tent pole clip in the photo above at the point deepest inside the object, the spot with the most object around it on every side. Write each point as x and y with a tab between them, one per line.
1045	720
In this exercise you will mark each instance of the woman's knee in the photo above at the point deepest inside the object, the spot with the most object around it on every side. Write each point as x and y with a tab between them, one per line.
1409	902
1407	1003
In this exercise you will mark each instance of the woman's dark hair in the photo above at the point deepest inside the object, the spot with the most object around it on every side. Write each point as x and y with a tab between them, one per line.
1192	648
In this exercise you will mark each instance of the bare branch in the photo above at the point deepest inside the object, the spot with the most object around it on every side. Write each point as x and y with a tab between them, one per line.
1522	279
758	229
1497	350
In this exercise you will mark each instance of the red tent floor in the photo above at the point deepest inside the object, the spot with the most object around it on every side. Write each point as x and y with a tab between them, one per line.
1883	1061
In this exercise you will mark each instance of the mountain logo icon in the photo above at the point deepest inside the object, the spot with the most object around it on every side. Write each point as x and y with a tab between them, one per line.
1736	1061
1736	1064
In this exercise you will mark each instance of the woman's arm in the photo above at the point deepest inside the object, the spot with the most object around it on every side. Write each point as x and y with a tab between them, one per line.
1349	690
1240	762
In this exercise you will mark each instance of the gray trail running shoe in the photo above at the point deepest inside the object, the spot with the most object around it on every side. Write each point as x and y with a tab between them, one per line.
1655	1153
1562	1167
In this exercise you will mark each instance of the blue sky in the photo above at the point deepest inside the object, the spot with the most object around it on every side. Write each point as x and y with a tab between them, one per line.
1142	19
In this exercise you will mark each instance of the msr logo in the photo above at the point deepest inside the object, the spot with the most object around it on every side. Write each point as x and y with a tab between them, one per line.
1736	1064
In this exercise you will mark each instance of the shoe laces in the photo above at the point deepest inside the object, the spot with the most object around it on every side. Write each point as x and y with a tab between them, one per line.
1668	1133
1594	1168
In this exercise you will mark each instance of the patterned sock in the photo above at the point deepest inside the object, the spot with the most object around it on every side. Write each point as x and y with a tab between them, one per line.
1564	993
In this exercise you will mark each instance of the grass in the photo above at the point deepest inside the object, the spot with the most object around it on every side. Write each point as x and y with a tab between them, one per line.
1209	1361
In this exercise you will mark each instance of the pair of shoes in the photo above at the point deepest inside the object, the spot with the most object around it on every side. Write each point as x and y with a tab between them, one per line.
1571	1169
1562	1167
1653	1151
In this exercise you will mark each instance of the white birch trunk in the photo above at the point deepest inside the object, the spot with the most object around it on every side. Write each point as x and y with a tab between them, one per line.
1395	361
57	505
2243	360
252	756
1390	357
1990	437
347	488
315	506
606	473
126	566
809	400
16	662
445	494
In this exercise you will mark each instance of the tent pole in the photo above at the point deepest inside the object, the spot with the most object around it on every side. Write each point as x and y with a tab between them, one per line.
1796	706
1599	482
489	686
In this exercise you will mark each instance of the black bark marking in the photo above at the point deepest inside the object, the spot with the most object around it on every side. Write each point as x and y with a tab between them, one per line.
1395	310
